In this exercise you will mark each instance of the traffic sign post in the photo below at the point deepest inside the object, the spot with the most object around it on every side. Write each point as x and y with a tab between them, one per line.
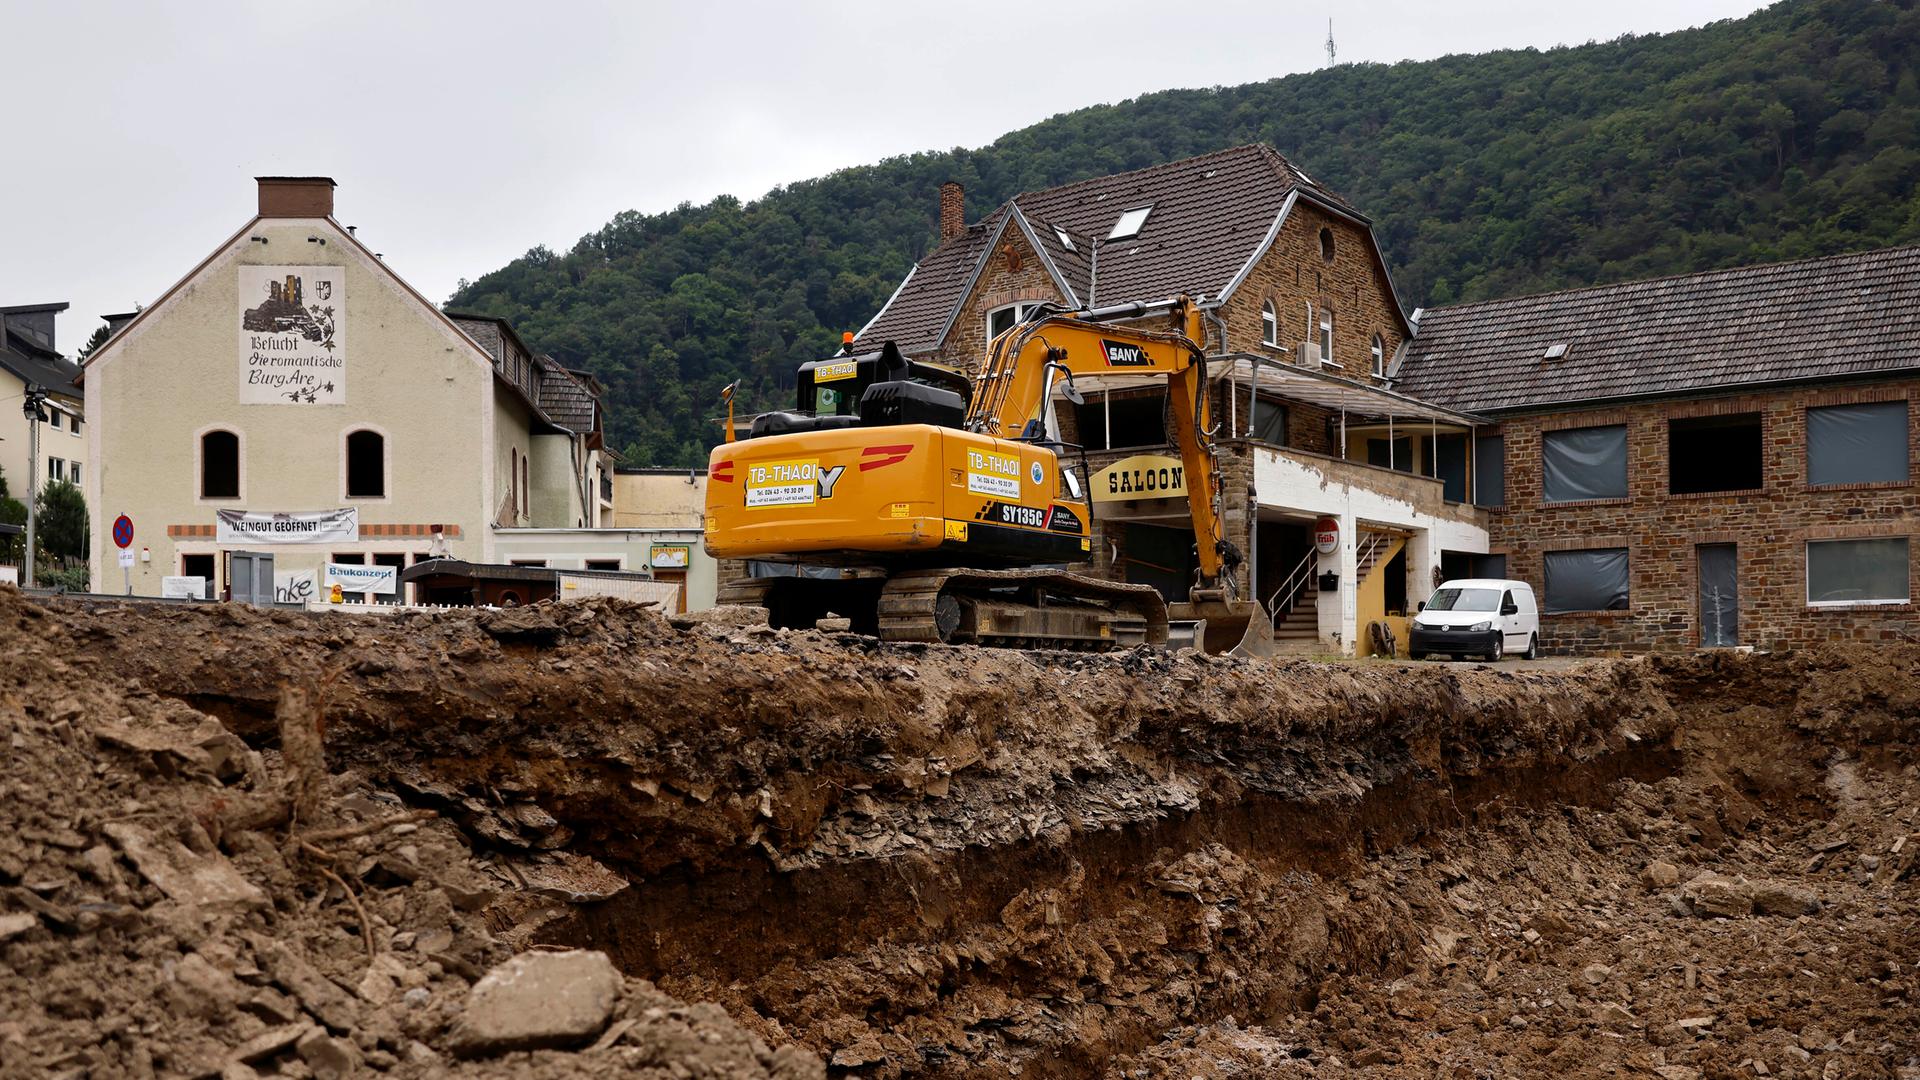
123	538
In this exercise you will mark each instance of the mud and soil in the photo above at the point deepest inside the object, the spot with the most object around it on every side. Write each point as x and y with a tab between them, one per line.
923	861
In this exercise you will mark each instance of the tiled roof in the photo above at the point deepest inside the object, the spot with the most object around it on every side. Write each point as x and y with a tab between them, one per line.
563	398
1839	316
918	312
1209	215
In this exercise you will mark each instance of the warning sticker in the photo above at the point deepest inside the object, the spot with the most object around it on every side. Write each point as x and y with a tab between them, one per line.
989	473
783	483
845	369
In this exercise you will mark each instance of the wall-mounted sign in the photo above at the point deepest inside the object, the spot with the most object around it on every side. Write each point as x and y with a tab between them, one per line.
1326	535
1142	476
293	335
184	588
669	556
353	577
306	527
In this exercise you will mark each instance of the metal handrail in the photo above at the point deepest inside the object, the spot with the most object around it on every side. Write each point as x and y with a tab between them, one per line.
1296	582
1373	544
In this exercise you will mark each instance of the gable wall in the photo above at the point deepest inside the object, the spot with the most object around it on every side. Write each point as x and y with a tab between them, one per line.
176	374
999	284
1293	274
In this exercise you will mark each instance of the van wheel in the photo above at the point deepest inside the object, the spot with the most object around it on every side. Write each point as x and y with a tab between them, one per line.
1533	647
1499	648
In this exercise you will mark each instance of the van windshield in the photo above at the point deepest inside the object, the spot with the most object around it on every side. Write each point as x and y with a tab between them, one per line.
1464	600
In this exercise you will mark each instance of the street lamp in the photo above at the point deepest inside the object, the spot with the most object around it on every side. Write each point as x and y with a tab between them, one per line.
35	412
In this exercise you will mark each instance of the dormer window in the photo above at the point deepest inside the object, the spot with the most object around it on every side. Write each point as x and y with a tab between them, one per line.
1269	325
1130	223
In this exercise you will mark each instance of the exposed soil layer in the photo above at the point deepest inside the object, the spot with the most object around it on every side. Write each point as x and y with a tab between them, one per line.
923	861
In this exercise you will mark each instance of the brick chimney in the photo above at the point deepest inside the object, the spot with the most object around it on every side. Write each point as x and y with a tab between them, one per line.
953	210
296	196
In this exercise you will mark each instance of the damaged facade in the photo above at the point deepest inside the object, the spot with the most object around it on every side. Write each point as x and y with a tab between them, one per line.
1717	459
1304	324
1713	460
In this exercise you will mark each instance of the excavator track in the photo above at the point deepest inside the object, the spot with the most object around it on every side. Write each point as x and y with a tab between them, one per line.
1045	609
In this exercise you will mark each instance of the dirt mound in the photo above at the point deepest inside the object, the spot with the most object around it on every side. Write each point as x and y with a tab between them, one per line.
178	903
923	861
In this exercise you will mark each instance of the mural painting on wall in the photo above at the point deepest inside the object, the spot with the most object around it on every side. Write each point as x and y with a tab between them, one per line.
293	335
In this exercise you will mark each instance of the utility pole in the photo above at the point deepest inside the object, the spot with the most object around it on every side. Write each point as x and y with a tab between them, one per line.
36	397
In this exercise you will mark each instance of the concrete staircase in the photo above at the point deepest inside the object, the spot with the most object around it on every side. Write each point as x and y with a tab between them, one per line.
1299	630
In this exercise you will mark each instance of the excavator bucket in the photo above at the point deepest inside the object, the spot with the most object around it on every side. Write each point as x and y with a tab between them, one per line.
1226	627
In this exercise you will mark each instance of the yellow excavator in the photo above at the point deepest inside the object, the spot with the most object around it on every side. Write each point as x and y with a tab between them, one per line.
924	506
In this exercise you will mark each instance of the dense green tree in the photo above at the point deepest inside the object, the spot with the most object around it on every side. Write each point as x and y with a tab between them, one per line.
1791	133
60	522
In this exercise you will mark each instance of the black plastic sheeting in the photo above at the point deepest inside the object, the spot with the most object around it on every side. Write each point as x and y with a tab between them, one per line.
1843	571
1719	596
1585	463
1593	580
1857	444
1490	471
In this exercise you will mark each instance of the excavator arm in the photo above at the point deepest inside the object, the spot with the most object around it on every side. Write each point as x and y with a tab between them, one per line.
1013	398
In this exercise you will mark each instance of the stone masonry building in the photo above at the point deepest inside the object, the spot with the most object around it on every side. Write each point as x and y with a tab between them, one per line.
1304	324
1717	459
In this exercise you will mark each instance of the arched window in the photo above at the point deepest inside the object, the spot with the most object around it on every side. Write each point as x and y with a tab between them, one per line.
1002	319
1269	325
1326	245
513	479
1379	355
526	493
366	465
219	465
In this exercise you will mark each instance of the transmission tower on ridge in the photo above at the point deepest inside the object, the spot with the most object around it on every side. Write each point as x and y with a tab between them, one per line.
1329	42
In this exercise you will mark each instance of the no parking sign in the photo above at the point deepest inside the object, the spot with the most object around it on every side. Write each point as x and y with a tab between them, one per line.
123	531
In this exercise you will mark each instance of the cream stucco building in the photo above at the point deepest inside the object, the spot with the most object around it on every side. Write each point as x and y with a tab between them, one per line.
292	394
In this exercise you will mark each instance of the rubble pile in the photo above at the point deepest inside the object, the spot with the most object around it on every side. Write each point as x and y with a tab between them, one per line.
521	842
166	910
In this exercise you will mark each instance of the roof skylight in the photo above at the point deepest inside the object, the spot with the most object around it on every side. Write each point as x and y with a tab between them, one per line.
1130	223
1065	240
1555	351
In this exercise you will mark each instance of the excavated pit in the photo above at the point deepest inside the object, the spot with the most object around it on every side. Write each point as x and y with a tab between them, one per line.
922	861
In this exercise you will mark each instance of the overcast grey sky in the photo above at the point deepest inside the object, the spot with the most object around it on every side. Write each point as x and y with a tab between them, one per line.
463	134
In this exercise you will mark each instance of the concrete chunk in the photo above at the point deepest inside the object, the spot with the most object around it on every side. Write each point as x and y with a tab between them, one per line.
537	1000
206	882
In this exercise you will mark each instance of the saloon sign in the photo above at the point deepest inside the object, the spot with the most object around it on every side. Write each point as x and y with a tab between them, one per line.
1142	476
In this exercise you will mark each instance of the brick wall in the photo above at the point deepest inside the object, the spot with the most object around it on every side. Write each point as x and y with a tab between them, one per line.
1293	273
1660	531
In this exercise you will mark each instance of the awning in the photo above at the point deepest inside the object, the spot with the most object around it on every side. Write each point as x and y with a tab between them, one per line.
1336	393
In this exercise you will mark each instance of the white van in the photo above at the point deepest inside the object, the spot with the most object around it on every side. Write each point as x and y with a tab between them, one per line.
1487	617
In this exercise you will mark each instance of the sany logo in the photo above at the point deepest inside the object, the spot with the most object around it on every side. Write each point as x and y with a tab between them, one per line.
824	480
1122	354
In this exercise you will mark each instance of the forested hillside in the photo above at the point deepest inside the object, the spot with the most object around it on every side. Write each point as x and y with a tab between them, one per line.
1790	133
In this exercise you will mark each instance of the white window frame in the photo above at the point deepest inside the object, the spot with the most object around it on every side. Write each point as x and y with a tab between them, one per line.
1269	325
1806	574
1326	337
1379	352
56	471
1020	308
53	417
386	465
73	472
200	465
